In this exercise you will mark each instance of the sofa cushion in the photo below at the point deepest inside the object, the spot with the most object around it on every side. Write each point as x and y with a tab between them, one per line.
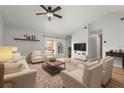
12	67
16	57
76	74
37	57
90	64
36	53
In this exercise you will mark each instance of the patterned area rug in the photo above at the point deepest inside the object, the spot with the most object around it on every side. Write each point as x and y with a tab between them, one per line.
44	79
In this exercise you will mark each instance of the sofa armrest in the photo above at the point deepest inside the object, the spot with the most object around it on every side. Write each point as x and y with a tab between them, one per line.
23	57
14	75
23	79
24	64
70	81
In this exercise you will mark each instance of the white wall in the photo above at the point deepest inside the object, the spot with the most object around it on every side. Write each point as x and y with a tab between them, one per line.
113	32
1	29
80	36
25	47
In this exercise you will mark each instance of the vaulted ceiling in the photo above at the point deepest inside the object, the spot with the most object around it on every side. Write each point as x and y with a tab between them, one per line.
74	17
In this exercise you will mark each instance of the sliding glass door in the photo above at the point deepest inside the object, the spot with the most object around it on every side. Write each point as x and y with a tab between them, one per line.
56	46
60	47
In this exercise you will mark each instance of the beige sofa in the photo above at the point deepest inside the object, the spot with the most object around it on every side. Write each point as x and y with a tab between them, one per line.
24	77
88	77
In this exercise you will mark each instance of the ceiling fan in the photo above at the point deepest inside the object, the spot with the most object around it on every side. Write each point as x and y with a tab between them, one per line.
50	12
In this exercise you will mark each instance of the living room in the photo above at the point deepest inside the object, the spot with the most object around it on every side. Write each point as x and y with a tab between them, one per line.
74	39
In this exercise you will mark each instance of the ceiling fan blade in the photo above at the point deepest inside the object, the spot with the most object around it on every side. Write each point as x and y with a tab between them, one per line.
56	9
44	7
40	13
57	15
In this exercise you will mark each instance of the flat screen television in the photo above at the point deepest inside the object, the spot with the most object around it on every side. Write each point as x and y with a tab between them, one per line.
80	46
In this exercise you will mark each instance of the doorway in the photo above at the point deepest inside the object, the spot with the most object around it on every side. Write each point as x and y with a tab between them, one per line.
57	46
50	45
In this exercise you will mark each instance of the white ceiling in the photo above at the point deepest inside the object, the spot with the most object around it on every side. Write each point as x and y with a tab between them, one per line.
74	17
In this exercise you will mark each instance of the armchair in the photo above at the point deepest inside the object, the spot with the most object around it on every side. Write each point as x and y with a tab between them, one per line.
83	78
3	84
24	77
37	56
107	70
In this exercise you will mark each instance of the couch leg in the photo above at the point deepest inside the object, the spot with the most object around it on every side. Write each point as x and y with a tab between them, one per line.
110	79
103	86
63	87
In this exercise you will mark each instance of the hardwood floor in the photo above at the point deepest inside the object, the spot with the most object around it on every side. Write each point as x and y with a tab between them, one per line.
117	80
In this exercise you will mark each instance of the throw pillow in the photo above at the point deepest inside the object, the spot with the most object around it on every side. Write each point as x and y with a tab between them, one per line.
16	57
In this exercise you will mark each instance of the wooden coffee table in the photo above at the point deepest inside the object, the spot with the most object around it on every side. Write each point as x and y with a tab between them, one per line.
53	67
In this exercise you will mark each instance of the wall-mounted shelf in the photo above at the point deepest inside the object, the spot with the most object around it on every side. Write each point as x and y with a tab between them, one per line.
25	39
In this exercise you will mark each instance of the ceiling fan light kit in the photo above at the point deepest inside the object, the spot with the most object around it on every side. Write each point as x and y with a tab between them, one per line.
50	12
